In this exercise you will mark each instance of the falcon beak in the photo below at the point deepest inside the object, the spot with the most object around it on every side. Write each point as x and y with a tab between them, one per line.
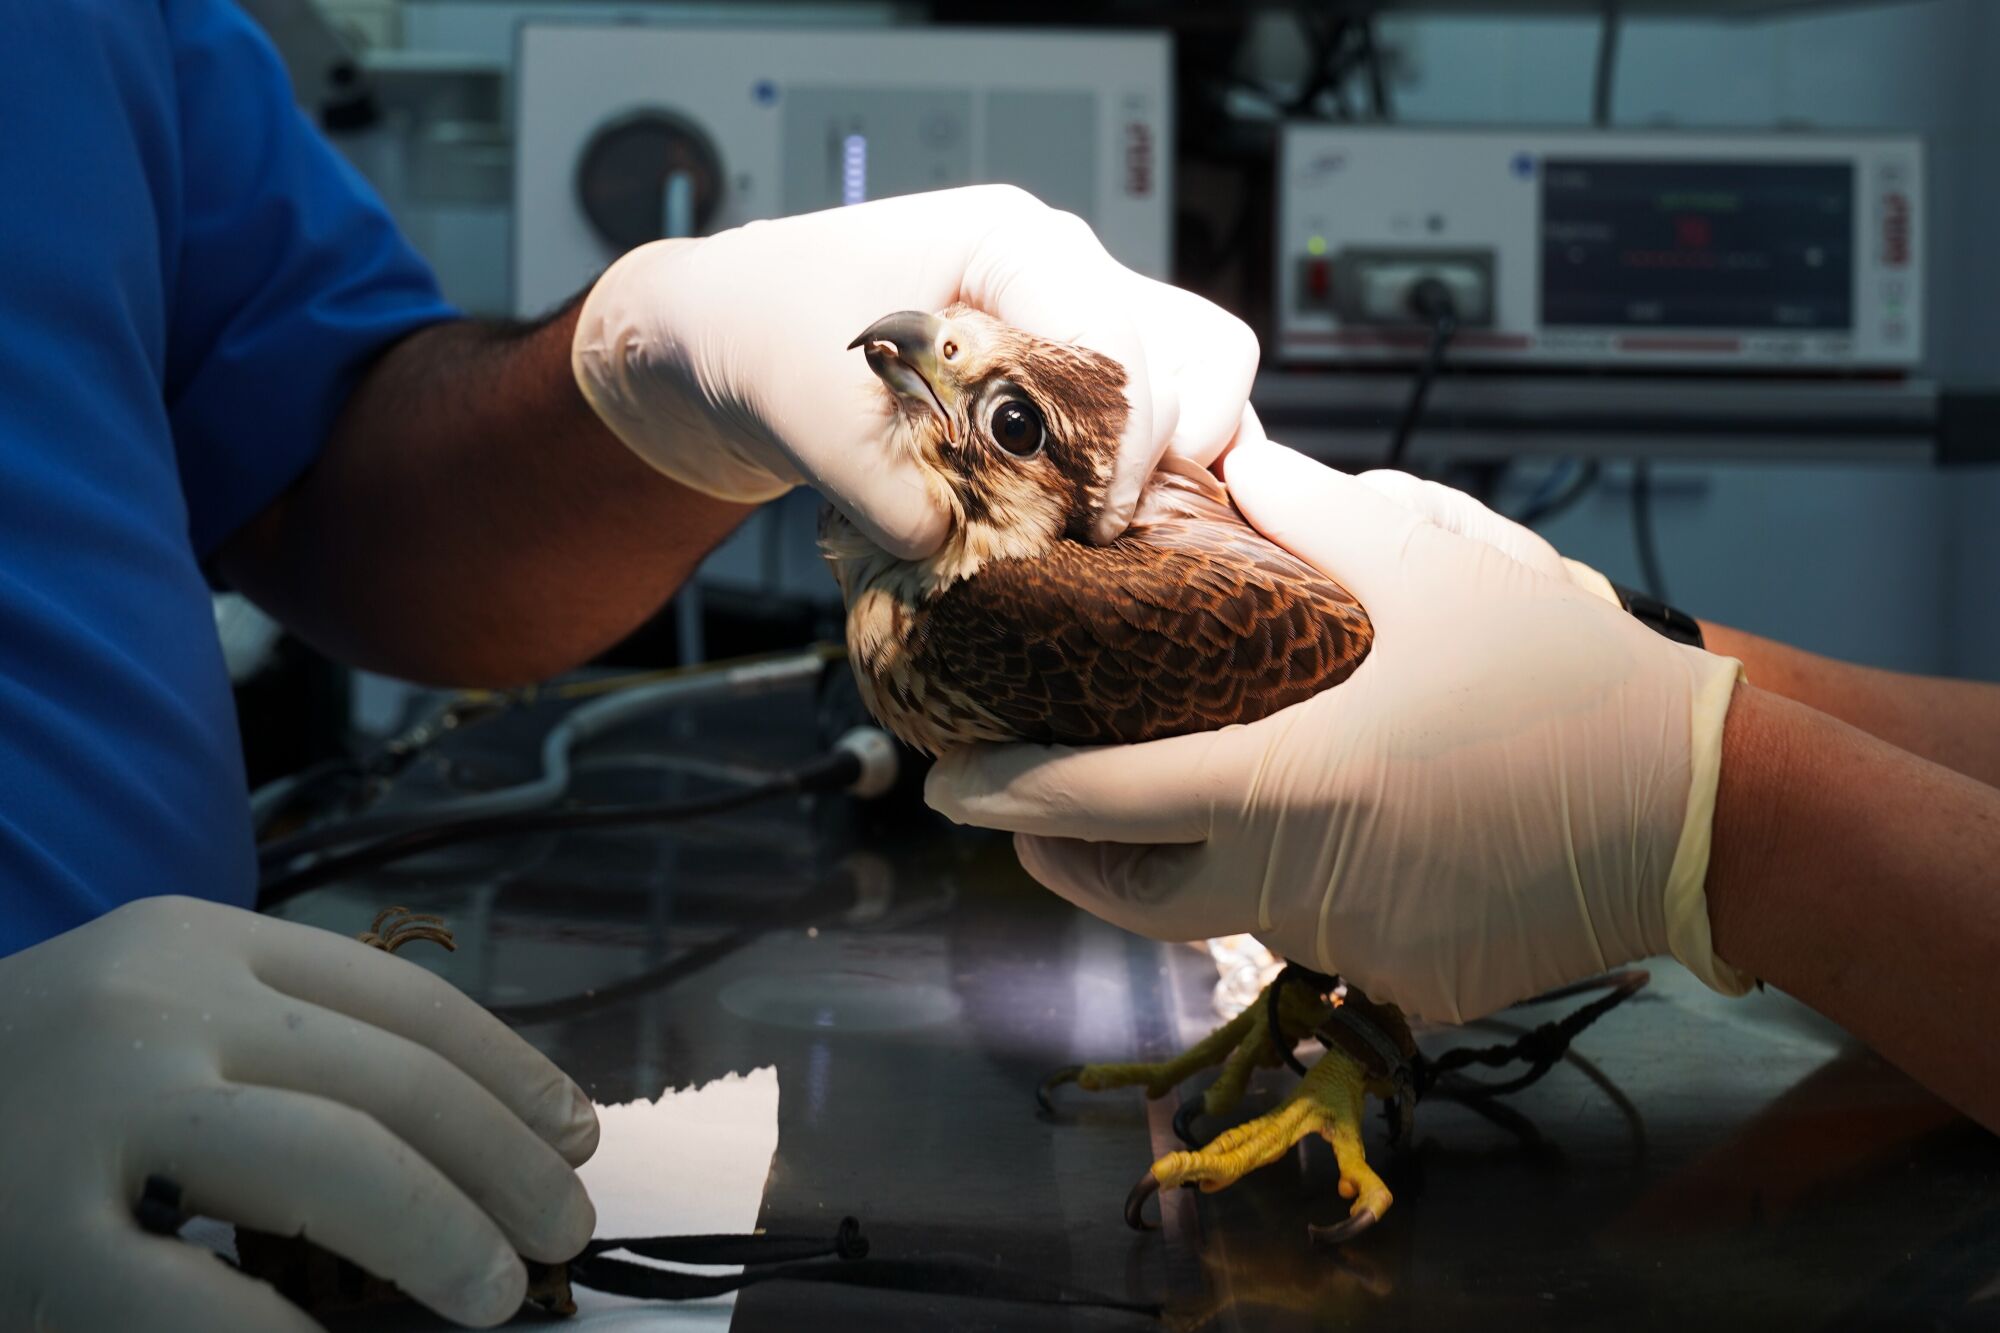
902	349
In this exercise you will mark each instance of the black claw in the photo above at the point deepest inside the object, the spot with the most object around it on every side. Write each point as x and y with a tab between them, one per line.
1184	1117
1135	1202
1056	1078
1342	1232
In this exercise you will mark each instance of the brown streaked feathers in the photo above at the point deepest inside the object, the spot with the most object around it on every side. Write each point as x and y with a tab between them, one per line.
1188	622
1181	625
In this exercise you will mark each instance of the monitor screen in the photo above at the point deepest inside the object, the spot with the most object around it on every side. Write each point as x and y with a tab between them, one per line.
1697	245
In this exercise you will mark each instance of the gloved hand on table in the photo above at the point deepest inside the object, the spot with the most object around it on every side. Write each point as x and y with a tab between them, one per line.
723	360
1513	791
288	1080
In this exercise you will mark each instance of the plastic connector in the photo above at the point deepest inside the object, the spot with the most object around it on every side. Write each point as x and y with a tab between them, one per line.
1431	301
876	753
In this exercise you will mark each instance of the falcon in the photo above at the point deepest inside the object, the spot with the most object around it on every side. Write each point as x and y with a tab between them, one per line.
1020	628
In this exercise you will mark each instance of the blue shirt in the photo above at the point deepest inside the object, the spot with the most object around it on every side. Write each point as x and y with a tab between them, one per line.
191	280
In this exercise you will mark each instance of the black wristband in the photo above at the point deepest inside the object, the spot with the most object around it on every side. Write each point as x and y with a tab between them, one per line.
1657	616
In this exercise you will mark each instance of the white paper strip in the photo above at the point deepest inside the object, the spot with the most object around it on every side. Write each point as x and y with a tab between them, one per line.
692	1163
689	1164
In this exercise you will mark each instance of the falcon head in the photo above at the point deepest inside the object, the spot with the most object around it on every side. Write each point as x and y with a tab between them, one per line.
1015	436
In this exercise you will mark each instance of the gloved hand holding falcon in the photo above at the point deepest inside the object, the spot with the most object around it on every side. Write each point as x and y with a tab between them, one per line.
1319	828
1301	707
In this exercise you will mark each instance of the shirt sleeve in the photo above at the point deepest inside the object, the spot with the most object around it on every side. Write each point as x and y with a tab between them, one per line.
288	275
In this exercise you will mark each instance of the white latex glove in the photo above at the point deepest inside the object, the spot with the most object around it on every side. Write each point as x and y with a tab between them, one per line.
1455	511
289	1080
724	361
1513	791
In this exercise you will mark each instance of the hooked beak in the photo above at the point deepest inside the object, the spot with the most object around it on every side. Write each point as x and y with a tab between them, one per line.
902	349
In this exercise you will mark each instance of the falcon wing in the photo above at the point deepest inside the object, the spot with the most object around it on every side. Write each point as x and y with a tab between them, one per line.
1190	622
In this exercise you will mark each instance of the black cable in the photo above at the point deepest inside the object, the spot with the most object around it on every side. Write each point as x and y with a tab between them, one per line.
1347	54
1642	531
760	1247
593	998
1326	72
768	1258
1540	1049
275	854
1607	65
842	1259
306	782
414	842
936	1275
1378	79
1431	300
836	769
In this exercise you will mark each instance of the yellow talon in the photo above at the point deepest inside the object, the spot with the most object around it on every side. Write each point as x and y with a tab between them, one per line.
1328	1102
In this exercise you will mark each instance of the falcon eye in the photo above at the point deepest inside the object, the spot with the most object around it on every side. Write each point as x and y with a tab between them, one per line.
1017	428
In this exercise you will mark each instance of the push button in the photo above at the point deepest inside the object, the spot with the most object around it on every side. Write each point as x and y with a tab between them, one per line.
1316	283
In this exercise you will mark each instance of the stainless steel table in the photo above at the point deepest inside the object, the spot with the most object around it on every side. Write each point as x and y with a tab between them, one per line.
1697	1162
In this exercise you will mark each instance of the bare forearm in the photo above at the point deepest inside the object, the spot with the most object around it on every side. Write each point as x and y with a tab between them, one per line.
1950	722
1862	880
471	521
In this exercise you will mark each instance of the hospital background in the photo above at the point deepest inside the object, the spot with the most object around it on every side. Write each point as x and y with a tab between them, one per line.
1892	563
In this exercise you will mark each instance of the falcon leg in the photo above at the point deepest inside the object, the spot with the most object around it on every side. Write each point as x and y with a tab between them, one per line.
1240	1046
1328	1102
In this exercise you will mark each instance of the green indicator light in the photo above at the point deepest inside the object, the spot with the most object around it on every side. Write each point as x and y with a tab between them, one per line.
1316	245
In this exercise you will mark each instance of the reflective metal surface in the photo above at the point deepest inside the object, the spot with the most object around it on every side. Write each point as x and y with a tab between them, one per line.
1699	1161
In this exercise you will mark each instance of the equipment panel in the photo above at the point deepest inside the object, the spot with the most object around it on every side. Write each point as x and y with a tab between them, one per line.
626	134
1604	248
